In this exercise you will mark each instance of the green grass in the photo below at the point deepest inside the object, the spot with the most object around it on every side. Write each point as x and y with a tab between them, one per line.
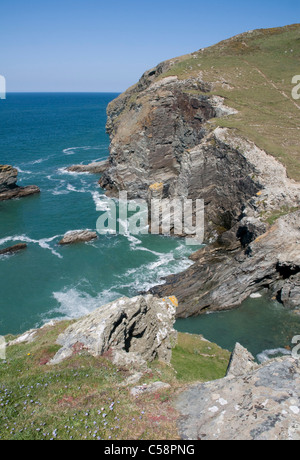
197	360
277	213
253	72
84	397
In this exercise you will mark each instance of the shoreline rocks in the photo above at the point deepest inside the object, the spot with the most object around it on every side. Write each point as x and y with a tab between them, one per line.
222	278
8	185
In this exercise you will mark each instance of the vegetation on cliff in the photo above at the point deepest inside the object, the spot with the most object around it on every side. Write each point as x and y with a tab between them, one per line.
85	397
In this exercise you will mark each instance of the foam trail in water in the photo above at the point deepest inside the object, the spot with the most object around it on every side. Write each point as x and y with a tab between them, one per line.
266	355
43	243
72	150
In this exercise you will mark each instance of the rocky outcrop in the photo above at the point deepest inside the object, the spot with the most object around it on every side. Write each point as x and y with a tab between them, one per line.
251	403
222	278
78	236
164	144
92	168
8	185
13	249
140	328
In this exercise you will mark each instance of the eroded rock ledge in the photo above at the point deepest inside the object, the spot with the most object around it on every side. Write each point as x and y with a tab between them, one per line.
221	278
8	185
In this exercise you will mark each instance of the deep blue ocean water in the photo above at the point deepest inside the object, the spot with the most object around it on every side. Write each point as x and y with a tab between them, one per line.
41	134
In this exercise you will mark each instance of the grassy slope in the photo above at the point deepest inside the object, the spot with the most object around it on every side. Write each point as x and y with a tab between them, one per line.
83	397
254	72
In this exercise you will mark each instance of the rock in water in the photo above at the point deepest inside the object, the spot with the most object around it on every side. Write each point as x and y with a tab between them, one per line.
8	185
253	402
93	168
78	236
141	325
13	249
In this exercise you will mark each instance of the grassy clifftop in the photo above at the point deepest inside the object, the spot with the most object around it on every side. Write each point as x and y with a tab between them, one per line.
87	398
253	72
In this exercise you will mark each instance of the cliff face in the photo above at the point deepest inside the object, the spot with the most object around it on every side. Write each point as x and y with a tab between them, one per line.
175	128
154	134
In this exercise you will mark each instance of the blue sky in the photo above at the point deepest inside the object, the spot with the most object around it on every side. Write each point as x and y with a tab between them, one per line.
95	45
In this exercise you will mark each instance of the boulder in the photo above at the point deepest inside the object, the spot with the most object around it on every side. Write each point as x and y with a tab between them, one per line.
260	402
78	236
141	325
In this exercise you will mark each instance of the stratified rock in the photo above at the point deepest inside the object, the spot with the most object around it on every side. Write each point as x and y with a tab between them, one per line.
78	236
222	278
263	403
92	168
164	144
13	249
8	185
141	325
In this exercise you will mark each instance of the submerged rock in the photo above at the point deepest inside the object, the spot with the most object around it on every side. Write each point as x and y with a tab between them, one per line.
141	326
13	249
78	236
8	185
259	402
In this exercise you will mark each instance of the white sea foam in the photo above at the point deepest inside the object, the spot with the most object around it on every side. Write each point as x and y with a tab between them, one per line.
266	355
256	295
74	303
64	171
40	160
21	171
43	243
72	150
101	201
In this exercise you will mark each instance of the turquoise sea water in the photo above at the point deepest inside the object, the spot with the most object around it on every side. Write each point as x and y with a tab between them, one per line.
41	134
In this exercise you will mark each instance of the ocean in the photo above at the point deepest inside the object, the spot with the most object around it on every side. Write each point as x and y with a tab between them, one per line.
41	135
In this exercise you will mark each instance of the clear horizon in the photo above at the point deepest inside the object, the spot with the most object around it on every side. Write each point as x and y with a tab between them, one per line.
93	46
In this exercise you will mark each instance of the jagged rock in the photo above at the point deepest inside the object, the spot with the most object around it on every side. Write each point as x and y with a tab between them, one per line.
222	279
8	185
263	403
241	362
92	168
13	249
141	325
78	236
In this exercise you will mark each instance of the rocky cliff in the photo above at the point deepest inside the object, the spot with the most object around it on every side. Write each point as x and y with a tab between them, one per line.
197	131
